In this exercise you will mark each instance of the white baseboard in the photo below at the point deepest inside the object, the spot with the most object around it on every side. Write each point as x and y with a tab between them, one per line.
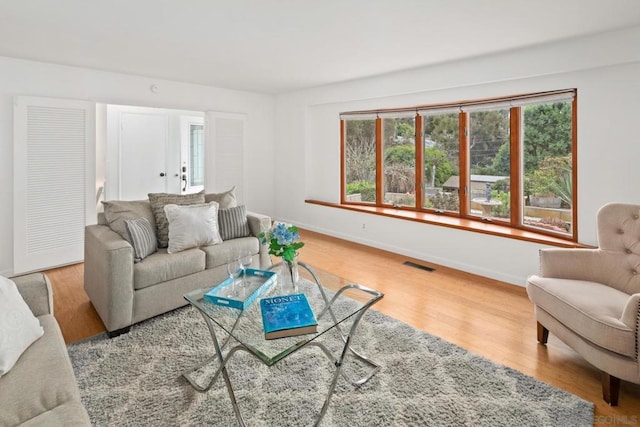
435	259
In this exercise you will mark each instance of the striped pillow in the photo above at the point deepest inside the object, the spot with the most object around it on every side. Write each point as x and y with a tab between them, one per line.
143	238
233	223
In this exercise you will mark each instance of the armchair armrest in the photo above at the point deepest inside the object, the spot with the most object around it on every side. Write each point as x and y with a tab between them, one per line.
36	291
257	224
630	312
570	263
108	275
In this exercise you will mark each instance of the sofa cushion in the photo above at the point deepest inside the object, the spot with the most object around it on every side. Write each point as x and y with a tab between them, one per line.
19	328
229	250
159	200
590	309
67	414
162	266
192	226
233	223
142	237
116	212
225	200
41	380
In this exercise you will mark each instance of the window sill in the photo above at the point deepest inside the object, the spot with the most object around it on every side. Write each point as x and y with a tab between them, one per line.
491	228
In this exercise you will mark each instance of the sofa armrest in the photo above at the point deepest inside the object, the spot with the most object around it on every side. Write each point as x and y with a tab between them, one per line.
108	275
257	224
36	291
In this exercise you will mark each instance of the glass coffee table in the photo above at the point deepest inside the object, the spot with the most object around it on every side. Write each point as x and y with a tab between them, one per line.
243	330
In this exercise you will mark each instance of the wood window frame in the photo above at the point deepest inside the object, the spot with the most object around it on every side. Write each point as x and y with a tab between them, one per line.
514	226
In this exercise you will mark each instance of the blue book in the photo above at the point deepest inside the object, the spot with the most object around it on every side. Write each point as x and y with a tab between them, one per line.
286	316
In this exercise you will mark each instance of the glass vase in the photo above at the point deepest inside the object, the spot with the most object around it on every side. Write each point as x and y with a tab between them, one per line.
289	276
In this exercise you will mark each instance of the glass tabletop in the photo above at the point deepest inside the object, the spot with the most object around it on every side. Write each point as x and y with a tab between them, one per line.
245	326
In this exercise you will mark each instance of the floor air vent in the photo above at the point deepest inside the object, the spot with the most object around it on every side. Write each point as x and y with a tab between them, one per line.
421	267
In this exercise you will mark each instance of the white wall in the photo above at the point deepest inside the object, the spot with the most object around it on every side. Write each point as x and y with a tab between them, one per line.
604	69
20	77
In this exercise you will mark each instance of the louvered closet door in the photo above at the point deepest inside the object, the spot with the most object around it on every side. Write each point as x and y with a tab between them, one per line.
54	181
224	153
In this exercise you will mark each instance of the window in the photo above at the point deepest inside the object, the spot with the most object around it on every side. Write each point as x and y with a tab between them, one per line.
399	154
510	160
360	165
196	154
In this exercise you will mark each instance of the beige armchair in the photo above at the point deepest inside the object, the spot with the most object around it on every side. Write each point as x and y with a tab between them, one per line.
590	298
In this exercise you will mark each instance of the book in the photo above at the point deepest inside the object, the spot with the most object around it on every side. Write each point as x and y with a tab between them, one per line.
286	316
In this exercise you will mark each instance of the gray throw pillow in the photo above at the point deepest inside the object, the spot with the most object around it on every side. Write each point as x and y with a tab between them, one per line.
233	223
159	200
225	200
142	236
117	211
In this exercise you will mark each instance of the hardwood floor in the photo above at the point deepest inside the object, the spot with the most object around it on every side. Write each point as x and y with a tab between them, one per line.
484	316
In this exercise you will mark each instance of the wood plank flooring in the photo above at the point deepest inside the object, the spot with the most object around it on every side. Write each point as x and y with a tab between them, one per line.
484	316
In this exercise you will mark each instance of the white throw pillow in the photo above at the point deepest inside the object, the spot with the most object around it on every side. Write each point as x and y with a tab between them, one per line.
191	226
19	328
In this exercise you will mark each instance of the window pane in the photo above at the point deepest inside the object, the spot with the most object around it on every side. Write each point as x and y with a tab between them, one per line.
489	164
441	162
360	154
399	151
548	166
196	154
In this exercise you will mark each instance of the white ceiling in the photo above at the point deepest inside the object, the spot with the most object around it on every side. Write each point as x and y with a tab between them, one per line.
276	46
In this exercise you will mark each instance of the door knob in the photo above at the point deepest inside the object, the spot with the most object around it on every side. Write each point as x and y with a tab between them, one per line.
162	174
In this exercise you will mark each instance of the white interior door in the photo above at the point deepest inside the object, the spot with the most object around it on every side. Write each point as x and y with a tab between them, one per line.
143	146
54	181
224	153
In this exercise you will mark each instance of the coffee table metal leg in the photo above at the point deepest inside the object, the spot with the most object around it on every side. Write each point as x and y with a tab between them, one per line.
221	370
187	374
225	374
347	346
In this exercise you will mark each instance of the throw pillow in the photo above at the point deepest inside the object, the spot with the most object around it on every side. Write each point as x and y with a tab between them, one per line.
192	226
142	237
159	200
233	223
19	328
116	212
225	200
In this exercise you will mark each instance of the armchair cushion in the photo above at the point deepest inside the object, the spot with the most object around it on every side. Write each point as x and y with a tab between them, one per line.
592	310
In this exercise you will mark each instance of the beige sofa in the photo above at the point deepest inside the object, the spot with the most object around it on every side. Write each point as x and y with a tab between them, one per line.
41	388
124	292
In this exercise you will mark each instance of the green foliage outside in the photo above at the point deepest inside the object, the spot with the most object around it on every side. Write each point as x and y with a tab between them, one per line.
502	210
444	202
547	153
366	189
402	153
551	178
444	168
547	133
